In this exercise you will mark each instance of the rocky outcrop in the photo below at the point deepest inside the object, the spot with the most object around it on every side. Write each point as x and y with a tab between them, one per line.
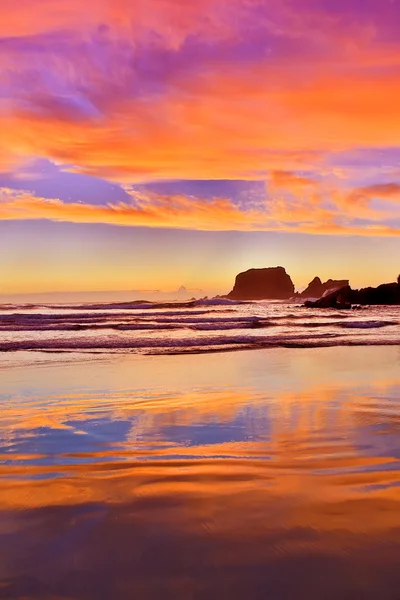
340	299
316	288
263	284
385	294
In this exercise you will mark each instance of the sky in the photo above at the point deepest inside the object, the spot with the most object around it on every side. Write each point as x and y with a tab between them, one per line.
149	144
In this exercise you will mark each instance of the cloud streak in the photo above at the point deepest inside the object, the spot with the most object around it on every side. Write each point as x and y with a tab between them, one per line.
182	212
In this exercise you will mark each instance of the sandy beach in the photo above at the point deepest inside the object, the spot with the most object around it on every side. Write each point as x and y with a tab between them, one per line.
270	473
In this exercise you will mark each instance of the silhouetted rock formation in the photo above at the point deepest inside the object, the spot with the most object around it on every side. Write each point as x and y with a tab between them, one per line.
340	298
316	288
385	294
263	284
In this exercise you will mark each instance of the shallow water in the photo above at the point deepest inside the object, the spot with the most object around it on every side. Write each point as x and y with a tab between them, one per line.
268	474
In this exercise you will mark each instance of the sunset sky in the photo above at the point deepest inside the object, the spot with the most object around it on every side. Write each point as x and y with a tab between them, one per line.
153	143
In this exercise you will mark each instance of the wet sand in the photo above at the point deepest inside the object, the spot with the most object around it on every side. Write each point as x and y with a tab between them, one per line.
265	474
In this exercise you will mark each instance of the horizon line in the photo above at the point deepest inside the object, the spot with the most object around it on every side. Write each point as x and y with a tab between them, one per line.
298	289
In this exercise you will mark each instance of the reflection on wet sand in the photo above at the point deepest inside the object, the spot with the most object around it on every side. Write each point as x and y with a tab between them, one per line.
275	487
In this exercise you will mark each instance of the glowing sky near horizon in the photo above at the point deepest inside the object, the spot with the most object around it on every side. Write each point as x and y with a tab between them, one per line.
154	143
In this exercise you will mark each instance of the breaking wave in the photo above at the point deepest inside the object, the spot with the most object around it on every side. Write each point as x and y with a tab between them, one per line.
201	326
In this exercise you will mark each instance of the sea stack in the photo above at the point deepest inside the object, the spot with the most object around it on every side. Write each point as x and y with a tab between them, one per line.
263	284
316	288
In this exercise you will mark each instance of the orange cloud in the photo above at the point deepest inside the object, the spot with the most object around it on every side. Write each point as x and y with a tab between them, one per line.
212	129
181	212
386	191
173	17
146	211
292	181
182	89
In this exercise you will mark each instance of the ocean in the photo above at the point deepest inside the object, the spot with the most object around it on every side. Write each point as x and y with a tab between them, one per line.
199	326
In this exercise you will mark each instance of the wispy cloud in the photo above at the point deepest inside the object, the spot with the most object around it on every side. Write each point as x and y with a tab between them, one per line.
183	212
386	191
